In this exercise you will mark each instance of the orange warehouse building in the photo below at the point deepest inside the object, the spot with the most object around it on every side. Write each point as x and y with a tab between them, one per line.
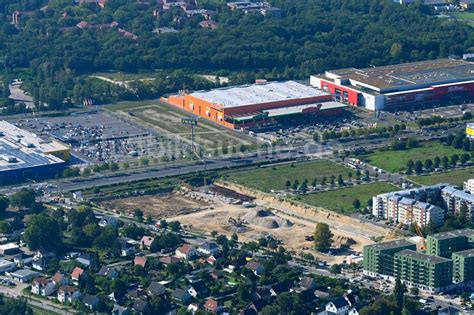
248	105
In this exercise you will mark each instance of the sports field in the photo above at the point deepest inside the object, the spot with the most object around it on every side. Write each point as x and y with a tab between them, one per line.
455	177
341	200
396	161
274	178
166	120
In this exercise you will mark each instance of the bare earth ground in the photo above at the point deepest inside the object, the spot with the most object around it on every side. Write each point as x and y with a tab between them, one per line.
158	206
207	212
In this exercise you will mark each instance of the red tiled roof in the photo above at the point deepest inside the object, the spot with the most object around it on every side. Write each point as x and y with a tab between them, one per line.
77	272
140	261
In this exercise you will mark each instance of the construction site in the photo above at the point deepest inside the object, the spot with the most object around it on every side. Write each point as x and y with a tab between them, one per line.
228	209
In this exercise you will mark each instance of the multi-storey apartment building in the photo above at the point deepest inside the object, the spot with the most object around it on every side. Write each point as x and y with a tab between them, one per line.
378	258
386	205
456	201
427	272
446	243
463	266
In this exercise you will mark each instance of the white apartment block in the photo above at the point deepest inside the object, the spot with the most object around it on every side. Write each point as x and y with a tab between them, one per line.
455	199
385	206
469	186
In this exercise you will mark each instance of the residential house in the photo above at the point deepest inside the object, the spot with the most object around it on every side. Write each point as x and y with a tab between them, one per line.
146	242
355	310
109	272
76	274
141	307
208	249
254	308
86	259
169	260
136	294
216	274
193	308
40	264
181	296
91	302
120	310
209	24
211	260
198	289
212	306
338	307
43	287
67	293
140	261
60	279
108	221
127	247
256	267
307	283
186	251
156	289
342	305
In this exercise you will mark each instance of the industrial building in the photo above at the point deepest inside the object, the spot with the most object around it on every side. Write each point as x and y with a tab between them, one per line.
379	257
400	86
259	104
426	272
24	155
446	243
463	266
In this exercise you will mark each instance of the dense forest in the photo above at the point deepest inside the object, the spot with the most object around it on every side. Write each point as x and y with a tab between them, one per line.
311	36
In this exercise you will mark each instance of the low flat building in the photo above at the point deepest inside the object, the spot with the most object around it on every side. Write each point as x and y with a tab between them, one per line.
259	104
23	275
393	87
6	266
426	272
24	155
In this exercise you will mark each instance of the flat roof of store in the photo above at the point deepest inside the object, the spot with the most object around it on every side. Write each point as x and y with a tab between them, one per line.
421	256
391	244
429	72
290	110
250	94
20	149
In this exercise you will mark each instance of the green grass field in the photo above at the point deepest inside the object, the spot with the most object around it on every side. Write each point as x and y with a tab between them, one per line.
455	177
268	178
340	200
396	161
464	16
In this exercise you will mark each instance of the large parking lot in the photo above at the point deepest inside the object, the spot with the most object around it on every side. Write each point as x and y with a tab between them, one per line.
100	136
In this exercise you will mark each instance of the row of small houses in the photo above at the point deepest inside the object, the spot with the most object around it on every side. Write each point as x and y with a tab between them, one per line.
65	287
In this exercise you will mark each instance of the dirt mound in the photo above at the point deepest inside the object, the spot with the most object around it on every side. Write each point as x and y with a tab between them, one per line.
343	241
266	219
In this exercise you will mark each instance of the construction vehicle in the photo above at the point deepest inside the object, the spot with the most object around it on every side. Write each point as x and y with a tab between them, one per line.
411	217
